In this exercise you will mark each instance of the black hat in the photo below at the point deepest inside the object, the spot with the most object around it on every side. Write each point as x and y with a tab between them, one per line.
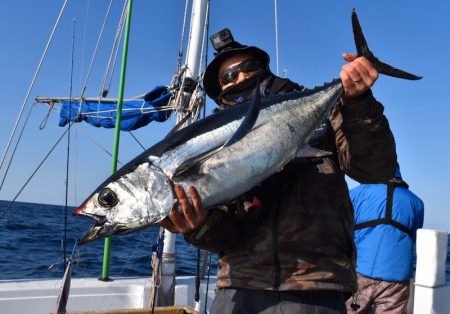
211	76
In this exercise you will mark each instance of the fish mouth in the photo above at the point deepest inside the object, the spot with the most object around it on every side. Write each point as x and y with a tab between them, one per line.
101	229
97	231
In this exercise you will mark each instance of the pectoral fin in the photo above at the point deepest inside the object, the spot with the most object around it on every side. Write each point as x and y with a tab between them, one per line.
185	168
311	152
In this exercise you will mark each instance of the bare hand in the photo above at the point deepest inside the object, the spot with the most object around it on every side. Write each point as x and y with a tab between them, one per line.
357	76
192	215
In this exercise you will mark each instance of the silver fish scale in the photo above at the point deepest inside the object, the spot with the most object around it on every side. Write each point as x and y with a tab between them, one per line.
145	194
280	131
172	159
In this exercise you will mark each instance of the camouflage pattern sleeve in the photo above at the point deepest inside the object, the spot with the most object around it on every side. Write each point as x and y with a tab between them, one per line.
364	141
219	232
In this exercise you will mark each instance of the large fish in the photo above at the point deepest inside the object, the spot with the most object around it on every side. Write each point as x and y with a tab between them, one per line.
223	155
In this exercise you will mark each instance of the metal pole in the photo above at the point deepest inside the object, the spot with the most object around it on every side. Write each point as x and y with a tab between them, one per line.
198	18
107	246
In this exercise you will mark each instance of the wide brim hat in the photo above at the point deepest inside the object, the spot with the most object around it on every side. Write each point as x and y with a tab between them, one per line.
211	76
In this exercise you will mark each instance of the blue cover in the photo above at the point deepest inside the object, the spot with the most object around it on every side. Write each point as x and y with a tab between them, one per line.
135	113
384	252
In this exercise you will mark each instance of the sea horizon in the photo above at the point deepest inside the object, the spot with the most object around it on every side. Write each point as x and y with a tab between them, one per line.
32	248
38	228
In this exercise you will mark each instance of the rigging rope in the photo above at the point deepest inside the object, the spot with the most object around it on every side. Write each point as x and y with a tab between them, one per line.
183	31
45	120
190	81
83	47
68	146
157	252
206	33
204	56
137	141
2	214
96	49
89	137
98	144
16	146
30	88
113	55
177	84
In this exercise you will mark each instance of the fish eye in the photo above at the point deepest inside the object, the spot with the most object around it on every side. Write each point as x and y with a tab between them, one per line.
107	198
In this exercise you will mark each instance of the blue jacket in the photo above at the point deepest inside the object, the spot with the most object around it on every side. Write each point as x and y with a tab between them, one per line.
384	251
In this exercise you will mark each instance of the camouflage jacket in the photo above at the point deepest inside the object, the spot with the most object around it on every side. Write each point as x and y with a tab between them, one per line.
294	231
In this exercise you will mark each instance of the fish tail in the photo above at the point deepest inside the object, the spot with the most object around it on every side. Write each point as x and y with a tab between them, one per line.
363	50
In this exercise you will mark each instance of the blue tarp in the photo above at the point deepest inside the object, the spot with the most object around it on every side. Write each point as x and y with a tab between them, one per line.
135	113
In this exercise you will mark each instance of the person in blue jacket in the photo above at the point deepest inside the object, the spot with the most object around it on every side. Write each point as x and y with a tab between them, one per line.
386	219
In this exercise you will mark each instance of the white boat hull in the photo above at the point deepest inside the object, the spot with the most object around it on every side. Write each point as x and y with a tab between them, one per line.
91	294
429	291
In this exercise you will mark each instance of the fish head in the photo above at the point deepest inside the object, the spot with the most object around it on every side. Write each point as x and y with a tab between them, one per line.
127	201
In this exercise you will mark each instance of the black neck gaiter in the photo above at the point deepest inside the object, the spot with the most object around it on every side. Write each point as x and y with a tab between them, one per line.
243	91
269	84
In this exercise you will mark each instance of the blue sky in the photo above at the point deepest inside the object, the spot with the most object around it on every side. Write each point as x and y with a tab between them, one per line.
412	35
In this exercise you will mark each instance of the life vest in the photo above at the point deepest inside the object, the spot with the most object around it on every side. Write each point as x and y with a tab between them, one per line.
391	185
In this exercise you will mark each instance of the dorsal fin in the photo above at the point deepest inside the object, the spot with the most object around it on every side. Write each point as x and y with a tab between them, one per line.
245	127
179	124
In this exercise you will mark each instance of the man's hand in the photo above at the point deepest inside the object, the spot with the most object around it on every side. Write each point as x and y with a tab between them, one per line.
192	215
357	76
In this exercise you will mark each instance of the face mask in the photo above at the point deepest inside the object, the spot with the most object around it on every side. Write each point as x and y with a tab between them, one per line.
243	91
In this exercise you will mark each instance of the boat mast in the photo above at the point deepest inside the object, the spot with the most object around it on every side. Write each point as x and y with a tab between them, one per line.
107	247
194	52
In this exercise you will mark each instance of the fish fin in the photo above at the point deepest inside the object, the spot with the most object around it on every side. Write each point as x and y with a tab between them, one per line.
311	152
180	124
193	163
245	127
249	120
363	50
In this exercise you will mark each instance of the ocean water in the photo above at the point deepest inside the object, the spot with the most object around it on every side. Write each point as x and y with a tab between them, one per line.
31	247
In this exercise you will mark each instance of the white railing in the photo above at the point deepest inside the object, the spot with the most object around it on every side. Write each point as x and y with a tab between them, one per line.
431	291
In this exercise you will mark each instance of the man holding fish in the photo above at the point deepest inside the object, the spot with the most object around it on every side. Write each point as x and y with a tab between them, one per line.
286	246
262	181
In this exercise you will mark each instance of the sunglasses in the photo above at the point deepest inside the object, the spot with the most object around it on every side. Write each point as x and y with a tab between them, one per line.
231	74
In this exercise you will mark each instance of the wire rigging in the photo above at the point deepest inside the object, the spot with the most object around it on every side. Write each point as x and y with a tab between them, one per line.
183	30
2	214
113	56
83	46
136	139
83	90
29	90
68	146
16	146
